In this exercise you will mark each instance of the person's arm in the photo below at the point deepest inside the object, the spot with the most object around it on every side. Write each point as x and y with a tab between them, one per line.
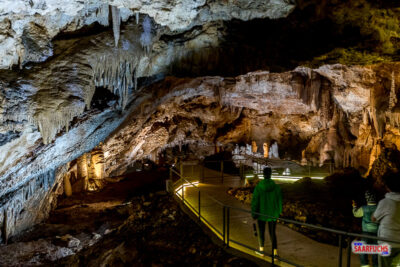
358	212
280	200
255	203
380	211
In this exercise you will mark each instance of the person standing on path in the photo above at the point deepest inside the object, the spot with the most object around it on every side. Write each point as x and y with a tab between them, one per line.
388	215
267	200
368	226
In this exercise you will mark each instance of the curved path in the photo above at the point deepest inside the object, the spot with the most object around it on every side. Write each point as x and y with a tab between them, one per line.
293	246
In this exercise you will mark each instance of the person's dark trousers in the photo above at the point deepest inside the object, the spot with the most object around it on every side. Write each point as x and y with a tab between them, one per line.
272	233
271	230
364	257
261	232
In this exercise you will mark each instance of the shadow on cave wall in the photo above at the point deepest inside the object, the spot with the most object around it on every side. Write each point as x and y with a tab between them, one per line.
265	44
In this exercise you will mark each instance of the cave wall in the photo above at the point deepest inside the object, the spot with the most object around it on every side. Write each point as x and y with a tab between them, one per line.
31	203
324	113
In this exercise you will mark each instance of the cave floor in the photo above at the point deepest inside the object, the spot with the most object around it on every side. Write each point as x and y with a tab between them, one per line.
292	245
128	223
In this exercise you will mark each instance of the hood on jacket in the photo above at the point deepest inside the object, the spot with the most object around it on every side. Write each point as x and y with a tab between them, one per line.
393	196
267	185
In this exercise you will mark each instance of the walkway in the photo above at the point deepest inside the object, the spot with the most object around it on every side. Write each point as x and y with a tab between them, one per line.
292	245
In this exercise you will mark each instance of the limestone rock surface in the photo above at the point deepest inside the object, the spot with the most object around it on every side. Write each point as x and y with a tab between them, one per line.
26	25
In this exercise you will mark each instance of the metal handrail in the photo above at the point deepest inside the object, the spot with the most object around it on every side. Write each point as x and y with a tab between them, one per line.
296	222
226	209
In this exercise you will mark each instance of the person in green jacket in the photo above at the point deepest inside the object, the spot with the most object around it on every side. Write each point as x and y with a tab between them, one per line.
266	200
368	226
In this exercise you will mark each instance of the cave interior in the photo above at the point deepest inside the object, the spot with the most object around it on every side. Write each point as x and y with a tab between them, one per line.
106	106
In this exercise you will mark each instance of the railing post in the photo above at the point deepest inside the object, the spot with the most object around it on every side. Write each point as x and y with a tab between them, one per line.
199	206
183	191
340	251
222	171
170	173
223	223
348	251
202	172
227	225
181	169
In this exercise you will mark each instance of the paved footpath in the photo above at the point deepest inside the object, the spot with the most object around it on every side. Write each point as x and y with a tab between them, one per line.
293	246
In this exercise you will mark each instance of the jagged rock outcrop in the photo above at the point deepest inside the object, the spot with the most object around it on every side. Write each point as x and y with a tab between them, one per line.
326	112
27	25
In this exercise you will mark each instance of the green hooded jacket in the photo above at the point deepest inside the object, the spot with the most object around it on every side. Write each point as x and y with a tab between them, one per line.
267	199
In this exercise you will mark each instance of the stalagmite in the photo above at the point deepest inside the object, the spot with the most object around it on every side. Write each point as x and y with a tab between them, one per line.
82	172
273	151
67	185
249	150
304	161
116	24
265	147
95	169
137	17
236	151
254	146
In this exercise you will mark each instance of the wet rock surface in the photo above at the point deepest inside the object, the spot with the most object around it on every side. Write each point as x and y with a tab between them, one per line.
133	222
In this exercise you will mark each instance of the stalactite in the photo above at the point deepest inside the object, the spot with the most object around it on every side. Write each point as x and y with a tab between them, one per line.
117	74
137	17
393	96
51	122
116	24
13	206
309	93
394	118
366	116
146	39
102	14
377	115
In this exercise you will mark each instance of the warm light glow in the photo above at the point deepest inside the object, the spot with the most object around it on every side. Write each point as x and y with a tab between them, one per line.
285	177
98	170
178	191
